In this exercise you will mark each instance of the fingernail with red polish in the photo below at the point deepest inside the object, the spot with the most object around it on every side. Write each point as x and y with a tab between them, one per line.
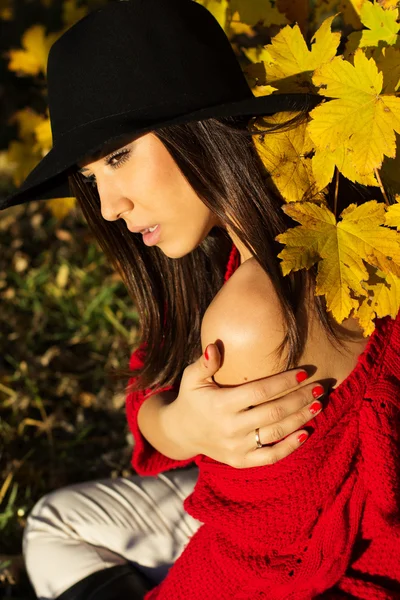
301	376
302	438
317	391
206	355
315	408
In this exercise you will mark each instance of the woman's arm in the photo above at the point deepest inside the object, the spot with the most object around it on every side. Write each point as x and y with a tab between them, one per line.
205	419
162	434
152	448
245	321
171	428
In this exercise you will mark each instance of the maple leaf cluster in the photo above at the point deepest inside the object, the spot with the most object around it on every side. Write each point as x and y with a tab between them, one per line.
352	132
346	52
358	257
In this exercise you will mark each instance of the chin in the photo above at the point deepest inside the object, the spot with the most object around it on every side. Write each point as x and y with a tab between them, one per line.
178	250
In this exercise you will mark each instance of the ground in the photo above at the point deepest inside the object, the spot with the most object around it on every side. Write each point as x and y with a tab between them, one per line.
65	319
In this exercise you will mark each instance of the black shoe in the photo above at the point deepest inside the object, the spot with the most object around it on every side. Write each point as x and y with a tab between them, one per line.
122	582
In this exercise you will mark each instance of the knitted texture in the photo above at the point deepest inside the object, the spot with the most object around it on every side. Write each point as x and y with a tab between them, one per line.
323	522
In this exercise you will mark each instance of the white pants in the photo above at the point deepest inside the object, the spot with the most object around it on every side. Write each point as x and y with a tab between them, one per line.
77	530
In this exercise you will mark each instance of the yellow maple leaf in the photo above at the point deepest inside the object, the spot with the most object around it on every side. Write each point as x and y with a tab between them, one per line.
218	8
258	11
263	90
32	60
259	54
323	166
34	142
380	19
22	158
44	136
289	63
340	248
393	214
382	25
61	207
359	118
383	300
380	245
27	120
282	153
7	169
239	28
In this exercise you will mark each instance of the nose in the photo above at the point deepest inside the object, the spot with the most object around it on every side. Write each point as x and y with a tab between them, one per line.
113	203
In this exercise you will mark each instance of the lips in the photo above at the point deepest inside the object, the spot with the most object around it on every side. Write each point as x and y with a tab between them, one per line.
140	229
148	229
151	238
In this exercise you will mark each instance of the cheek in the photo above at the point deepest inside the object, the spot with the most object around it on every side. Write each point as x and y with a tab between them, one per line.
141	178
155	170
185	231
155	190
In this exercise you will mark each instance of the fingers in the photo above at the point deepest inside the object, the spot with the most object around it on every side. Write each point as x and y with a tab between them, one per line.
207	365
276	411
264	390
275	432
285	434
269	455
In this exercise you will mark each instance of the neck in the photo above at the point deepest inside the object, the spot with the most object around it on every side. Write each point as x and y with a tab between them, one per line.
244	253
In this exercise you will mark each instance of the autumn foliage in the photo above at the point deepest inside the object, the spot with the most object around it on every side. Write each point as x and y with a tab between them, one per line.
346	51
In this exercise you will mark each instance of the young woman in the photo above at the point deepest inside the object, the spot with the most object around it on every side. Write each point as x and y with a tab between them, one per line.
150	117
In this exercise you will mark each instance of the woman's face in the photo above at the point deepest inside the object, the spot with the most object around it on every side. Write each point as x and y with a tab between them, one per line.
141	183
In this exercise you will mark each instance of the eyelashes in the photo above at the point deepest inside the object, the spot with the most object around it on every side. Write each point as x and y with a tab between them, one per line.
122	155
115	160
89	180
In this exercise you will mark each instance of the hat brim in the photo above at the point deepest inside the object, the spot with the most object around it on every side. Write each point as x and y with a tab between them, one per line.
49	179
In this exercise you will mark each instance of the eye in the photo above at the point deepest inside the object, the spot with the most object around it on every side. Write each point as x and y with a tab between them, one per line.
118	158
91	179
113	160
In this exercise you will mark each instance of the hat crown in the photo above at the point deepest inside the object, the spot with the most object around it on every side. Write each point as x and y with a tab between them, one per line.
132	67
141	57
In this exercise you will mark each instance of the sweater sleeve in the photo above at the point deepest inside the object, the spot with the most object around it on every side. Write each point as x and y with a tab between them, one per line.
146	460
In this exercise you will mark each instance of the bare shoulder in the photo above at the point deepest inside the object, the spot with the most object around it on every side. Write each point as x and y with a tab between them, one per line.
246	317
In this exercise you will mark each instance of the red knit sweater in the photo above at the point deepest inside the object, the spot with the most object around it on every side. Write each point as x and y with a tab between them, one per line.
323	522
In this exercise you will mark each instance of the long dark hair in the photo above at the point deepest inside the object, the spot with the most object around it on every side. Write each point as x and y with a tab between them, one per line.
219	159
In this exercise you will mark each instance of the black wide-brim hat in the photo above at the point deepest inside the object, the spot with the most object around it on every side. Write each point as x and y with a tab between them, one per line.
134	66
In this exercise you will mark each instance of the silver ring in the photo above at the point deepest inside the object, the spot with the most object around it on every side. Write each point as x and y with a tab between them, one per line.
258	441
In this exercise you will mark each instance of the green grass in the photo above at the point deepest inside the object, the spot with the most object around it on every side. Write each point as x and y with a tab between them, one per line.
65	317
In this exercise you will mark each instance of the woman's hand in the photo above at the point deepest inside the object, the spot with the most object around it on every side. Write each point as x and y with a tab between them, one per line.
220	422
